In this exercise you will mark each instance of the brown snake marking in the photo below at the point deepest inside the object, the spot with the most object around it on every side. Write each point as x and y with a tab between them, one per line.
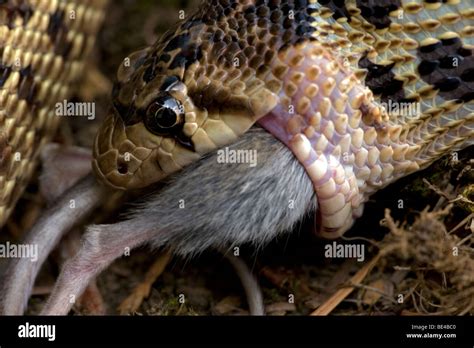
234	63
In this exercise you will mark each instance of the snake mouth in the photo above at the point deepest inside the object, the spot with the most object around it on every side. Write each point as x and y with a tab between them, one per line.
118	162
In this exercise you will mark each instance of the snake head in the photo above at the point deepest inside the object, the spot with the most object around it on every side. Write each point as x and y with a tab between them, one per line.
157	127
141	143
181	98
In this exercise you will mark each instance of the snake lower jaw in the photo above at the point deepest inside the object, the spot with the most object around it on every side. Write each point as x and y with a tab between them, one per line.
127	157
110	179
126	175
130	167
117	161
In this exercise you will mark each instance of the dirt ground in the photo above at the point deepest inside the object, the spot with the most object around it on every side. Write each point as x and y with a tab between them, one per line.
420	256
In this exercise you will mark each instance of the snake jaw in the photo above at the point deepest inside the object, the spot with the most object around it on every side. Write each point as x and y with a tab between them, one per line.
117	159
108	163
339	199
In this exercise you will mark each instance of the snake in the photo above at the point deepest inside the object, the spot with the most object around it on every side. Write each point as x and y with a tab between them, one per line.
44	45
363	92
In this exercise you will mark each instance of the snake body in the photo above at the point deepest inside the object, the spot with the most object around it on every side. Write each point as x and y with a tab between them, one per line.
316	74
43	47
322	76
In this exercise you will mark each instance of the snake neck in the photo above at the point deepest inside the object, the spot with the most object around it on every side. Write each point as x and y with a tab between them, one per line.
348	143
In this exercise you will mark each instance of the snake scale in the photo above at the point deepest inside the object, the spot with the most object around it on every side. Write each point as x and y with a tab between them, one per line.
330	79
43	47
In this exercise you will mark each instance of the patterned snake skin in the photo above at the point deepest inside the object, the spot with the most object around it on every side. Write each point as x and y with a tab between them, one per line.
333	80
43	45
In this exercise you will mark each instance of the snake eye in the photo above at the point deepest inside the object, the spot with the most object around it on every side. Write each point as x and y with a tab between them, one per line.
164	115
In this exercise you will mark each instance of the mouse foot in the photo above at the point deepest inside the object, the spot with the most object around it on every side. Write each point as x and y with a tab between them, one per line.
131	304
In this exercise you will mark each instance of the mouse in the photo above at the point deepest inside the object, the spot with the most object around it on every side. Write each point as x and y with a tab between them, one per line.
208	205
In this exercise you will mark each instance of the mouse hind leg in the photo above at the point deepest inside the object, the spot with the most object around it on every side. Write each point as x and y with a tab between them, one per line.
102	244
